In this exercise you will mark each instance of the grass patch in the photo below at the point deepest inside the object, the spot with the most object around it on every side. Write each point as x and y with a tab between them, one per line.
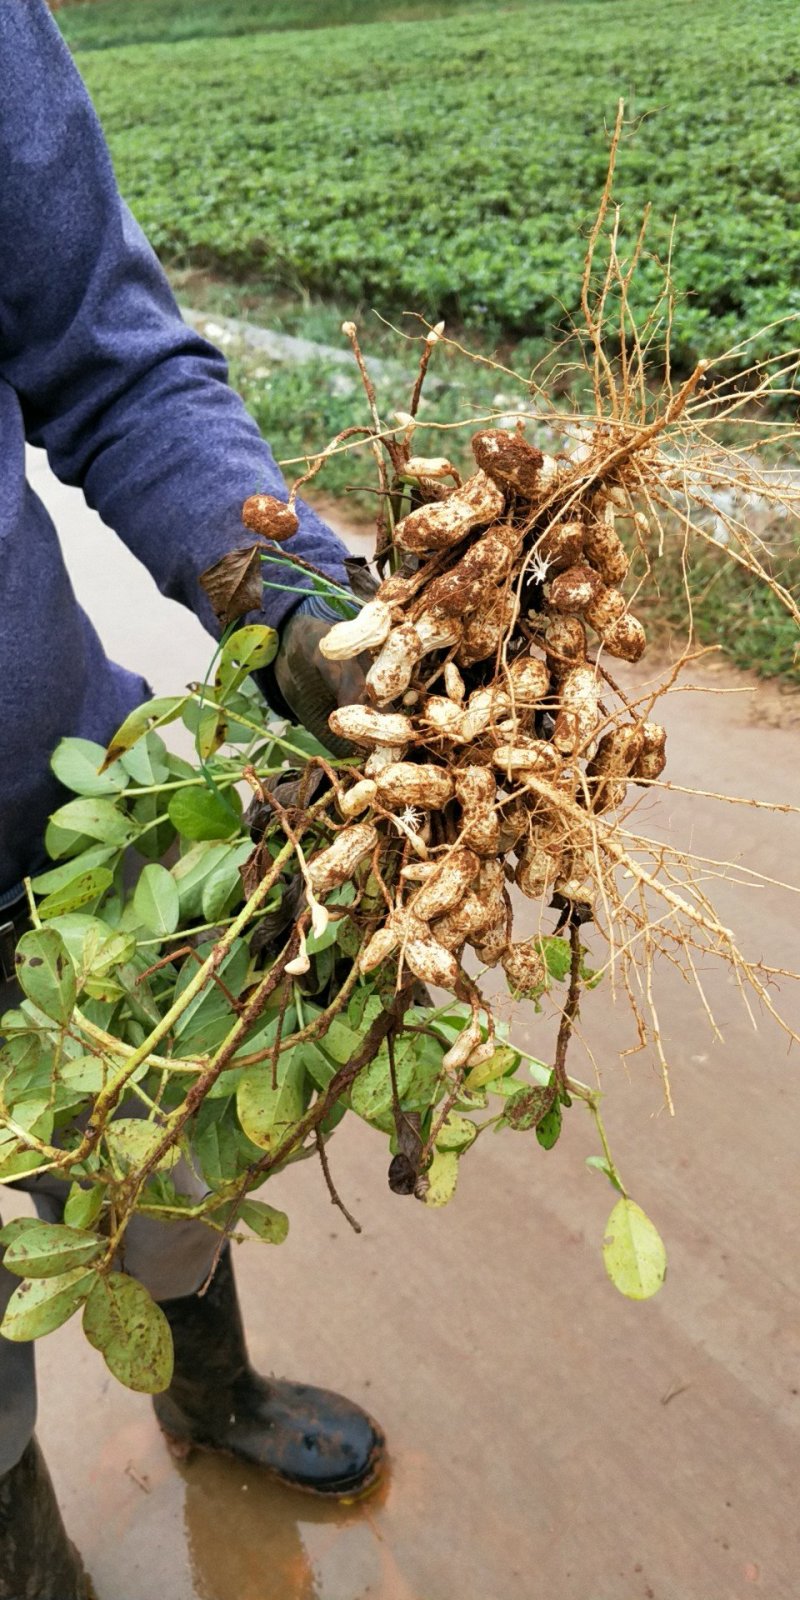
454	169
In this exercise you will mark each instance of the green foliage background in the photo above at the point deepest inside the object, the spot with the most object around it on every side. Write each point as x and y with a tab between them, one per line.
453	170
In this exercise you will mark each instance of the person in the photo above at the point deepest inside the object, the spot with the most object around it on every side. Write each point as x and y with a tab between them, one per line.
97	367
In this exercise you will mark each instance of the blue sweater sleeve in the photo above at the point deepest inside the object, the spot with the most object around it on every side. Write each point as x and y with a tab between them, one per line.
129	403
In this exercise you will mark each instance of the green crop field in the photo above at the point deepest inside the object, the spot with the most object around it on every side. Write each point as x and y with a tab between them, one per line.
454	167
321	158
95	26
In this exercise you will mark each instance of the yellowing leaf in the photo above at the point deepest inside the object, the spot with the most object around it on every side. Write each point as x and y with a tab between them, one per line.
442	1178
131	1331
633	1252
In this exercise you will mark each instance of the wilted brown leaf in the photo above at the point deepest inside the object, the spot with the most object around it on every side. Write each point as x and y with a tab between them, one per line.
234	584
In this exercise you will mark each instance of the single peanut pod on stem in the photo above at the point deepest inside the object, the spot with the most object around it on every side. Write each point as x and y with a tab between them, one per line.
476	791
444	718
509	460
486	562
463	922
485	630
408	783
364	725
605	609
463	1046
609	768
367	631
625	639
524	967
492	939
653	757
565	643
578	715
603	546
561	546
572	591
576	882
431	963
447	522
537	868
357	799
393	667
271	518
454	683
527	755
338	863
447	886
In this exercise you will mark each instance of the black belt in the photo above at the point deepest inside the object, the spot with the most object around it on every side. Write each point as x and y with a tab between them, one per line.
13	921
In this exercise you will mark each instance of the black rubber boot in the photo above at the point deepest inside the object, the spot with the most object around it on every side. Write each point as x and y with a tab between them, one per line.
37	1561
309	1438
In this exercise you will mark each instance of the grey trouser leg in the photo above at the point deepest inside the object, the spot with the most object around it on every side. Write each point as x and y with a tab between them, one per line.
170	1258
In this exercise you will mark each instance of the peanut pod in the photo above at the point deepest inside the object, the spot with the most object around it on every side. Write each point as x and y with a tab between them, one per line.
446	886
509	460
271	518
365	725
653	757
603	546
406	783
438	526
367	631
476	791
338	863
577	718
572	591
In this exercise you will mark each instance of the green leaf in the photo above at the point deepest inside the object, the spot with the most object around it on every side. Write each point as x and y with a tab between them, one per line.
269	1224
600	1164
77	762
46	973
131	1142
549	1127
442	1178
124	1323
84	1075
244	652
633	1252
94	819
83	1206
201	814
223	887
154	713
49	1250
58	877
156	901
80	891
192	871
146	761
41	1304
267	1115
557	956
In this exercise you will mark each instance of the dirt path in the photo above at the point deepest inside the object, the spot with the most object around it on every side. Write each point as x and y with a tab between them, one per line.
549	1439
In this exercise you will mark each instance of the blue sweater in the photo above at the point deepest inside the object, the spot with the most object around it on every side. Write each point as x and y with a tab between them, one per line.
97	367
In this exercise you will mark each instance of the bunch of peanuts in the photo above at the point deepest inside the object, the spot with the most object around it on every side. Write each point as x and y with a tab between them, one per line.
484	710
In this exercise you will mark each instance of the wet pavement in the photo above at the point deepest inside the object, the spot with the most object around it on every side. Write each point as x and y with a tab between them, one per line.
548	1438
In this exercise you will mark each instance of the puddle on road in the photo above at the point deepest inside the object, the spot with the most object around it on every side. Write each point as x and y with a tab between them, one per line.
249	1539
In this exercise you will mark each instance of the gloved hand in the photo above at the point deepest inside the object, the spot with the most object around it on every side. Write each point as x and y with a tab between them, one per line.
310	686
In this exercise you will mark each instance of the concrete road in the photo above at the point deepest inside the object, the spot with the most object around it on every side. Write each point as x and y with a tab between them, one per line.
550	1441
